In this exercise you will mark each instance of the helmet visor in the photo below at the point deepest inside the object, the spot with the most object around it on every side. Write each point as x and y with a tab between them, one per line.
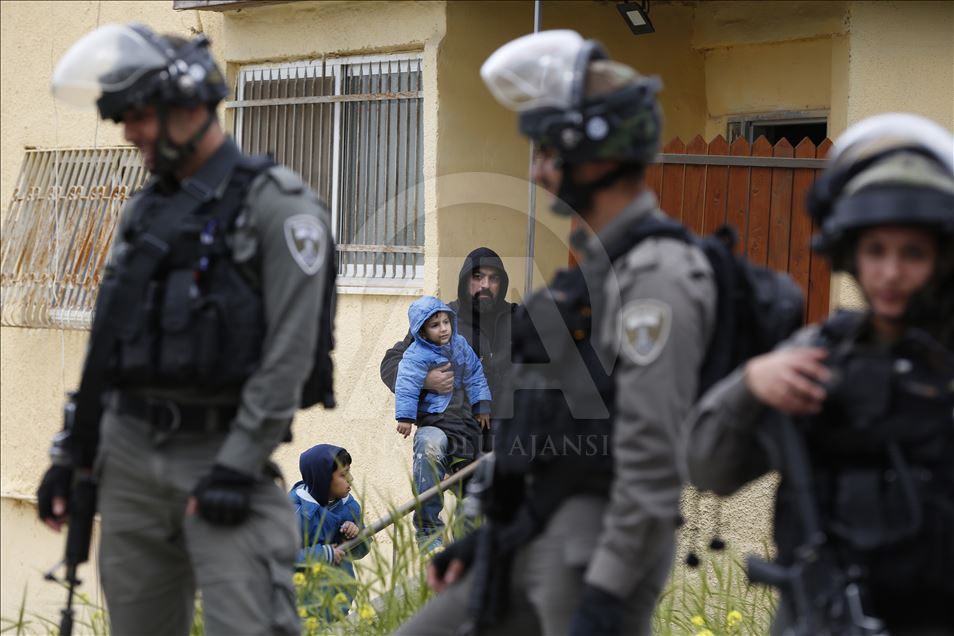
534	71
109	59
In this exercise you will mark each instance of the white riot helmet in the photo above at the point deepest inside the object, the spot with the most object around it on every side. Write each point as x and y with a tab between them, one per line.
119	67
573	99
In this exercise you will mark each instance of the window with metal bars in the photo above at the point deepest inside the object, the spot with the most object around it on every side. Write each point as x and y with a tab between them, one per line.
57	233
351	127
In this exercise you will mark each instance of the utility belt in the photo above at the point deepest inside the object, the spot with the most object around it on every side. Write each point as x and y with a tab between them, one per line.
169	417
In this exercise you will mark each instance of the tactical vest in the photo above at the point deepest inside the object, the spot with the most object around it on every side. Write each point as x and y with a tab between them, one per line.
881	470
200	321
755	309
564	399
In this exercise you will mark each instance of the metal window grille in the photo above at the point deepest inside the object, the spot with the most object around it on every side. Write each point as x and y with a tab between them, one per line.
351	127
57	233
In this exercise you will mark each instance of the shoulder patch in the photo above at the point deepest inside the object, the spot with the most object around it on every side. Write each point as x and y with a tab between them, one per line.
646	326
305	237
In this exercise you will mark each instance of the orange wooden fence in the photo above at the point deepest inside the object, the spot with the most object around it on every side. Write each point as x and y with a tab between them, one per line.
759	189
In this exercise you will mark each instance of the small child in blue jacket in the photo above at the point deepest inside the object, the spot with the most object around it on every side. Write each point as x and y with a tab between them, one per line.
448	425
328	516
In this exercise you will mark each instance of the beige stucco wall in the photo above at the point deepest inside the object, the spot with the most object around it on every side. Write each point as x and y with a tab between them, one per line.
478	137
900	58
762	78
366	324
721	23
37	366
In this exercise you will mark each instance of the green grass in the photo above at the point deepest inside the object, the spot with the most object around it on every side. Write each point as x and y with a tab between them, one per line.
716	599
713	600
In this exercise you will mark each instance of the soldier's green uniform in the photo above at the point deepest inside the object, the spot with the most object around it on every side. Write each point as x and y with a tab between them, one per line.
623	543
667	314
871	471
601	545
153	555
205	334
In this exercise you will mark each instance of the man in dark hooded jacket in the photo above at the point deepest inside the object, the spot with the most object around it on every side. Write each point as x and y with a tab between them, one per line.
483	319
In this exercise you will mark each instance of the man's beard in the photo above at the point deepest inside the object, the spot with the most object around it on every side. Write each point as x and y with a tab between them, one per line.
483	303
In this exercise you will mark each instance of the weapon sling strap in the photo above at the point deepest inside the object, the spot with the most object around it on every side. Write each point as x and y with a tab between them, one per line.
114	310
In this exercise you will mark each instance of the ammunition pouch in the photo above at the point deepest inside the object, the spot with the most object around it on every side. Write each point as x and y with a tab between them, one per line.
198	320
880	467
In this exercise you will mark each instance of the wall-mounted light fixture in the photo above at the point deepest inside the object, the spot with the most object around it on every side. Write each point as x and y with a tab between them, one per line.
636	16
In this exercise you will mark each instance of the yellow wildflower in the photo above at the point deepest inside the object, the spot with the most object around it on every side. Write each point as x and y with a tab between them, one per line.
733	618
698	621
298	579
317	568
705	632
302	612
366	613
340	598
311	624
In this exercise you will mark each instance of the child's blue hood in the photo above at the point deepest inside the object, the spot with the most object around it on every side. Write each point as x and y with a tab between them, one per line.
422	309
317	465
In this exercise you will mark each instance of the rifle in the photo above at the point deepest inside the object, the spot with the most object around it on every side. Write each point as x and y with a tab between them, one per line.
117	301
82	511
823	599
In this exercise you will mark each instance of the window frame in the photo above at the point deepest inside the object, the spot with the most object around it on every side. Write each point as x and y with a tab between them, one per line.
406	61
745	122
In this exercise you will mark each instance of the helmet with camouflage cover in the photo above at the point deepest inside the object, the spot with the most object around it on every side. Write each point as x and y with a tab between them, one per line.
895	169
574	100
890	169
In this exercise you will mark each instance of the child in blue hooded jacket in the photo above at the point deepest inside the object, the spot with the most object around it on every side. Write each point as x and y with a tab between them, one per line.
449	424
327	516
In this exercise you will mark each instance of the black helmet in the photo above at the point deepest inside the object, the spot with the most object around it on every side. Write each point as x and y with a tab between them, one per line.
573	99
129	66
891	169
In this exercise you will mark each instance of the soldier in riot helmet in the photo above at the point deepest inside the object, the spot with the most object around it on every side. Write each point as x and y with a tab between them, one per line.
858	412
202	348
584	499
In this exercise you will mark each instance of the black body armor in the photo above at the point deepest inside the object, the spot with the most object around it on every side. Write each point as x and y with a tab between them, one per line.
200	321
882	475
564	396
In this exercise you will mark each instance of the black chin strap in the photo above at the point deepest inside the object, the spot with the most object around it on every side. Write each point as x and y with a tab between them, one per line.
577	198
169	155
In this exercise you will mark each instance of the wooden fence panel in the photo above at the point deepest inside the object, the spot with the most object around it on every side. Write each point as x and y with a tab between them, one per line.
819	281
780	211
654	174
760	190
760	200
694	188
670	195
800	254
716	185
737	202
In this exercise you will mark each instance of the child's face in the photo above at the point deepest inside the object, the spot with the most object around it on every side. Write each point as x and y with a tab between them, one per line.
437	329
340	483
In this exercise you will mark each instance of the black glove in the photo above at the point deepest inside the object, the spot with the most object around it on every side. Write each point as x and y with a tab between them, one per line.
57	482
462	550
224	496
599	614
